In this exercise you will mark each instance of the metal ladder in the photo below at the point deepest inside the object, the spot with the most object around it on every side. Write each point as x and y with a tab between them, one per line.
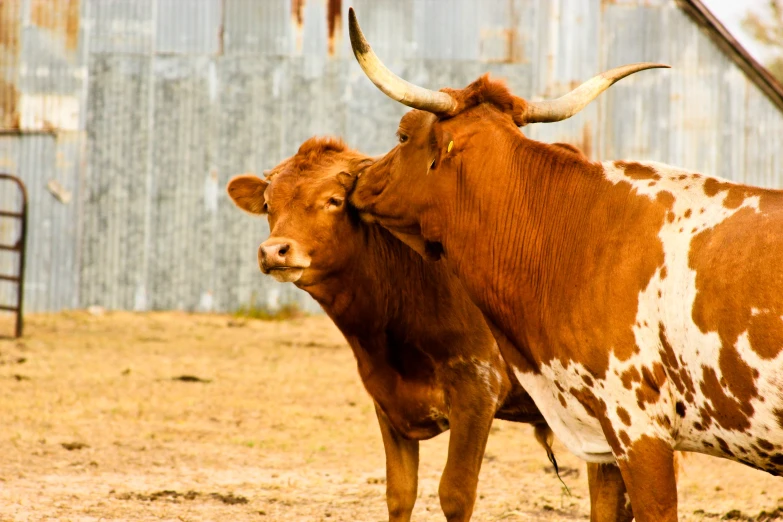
19	247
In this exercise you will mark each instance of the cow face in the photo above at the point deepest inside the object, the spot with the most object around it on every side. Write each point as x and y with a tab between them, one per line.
409	183
305	200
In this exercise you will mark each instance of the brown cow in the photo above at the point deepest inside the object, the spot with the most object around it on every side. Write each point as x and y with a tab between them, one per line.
640	305
424	353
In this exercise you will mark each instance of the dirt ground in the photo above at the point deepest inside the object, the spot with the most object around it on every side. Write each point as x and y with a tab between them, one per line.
96	425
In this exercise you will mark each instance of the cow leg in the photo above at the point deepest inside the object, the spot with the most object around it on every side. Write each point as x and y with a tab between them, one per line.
470	420
402	468
608	499
647	466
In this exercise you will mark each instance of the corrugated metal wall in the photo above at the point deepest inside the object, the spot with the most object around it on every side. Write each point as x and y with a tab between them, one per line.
164	100
42	93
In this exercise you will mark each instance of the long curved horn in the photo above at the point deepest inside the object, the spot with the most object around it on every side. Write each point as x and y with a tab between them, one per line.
576	100
392	85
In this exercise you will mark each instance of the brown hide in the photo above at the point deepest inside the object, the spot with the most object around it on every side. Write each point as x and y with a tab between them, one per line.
558	251
423	350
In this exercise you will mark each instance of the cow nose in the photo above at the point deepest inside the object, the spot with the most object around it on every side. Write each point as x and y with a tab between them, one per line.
273	253
282	249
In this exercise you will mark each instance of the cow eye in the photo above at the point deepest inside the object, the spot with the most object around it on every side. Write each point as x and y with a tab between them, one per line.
334	203
403	138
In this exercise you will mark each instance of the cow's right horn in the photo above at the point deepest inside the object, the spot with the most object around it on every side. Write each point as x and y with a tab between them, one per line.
392	85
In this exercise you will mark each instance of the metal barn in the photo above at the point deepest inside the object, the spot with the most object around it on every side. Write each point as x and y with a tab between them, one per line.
126	118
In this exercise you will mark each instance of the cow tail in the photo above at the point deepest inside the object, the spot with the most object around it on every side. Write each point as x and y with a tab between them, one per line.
545	437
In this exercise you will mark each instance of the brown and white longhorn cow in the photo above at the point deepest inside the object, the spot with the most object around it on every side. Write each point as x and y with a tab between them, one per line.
639	304
423	350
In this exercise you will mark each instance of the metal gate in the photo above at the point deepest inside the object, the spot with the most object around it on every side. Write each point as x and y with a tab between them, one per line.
18	247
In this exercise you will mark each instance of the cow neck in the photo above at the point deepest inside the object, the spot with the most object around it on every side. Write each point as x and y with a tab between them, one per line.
380	289
525	216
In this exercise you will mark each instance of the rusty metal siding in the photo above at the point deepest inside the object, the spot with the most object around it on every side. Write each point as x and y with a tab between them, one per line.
251	133
41	65
191	27
563	32
258	28
52	250
10	29
116	196
120	26
182	208
42	94
763	142
248	134
704	114
173	98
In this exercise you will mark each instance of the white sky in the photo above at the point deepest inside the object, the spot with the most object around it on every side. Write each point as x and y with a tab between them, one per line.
731	13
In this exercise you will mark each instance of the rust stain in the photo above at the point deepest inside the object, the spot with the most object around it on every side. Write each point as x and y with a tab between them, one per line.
512	46
514	53
297	12
505	44
333	22
334	16
9	98
10	23
222	29
61	17
297	15
60	20
587	140
509	38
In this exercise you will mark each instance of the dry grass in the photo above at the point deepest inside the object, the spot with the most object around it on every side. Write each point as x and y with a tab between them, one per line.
97	425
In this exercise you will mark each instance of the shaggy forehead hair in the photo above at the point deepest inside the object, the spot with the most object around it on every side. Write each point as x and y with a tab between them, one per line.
315	152
494	92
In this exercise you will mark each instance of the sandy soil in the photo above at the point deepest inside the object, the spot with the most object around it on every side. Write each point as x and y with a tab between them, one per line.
94	425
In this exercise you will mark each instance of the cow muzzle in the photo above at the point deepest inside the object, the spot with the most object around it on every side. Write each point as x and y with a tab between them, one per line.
283	259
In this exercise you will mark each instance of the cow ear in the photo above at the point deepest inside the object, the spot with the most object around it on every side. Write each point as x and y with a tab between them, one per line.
443	145
247	192
347	178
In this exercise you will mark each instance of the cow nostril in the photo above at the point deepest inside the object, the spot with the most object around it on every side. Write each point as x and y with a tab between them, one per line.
283	250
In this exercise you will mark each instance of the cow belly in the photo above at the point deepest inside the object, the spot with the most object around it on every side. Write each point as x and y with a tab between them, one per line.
579	432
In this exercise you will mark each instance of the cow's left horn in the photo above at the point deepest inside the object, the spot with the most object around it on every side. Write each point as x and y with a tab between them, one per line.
392	85
576	100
